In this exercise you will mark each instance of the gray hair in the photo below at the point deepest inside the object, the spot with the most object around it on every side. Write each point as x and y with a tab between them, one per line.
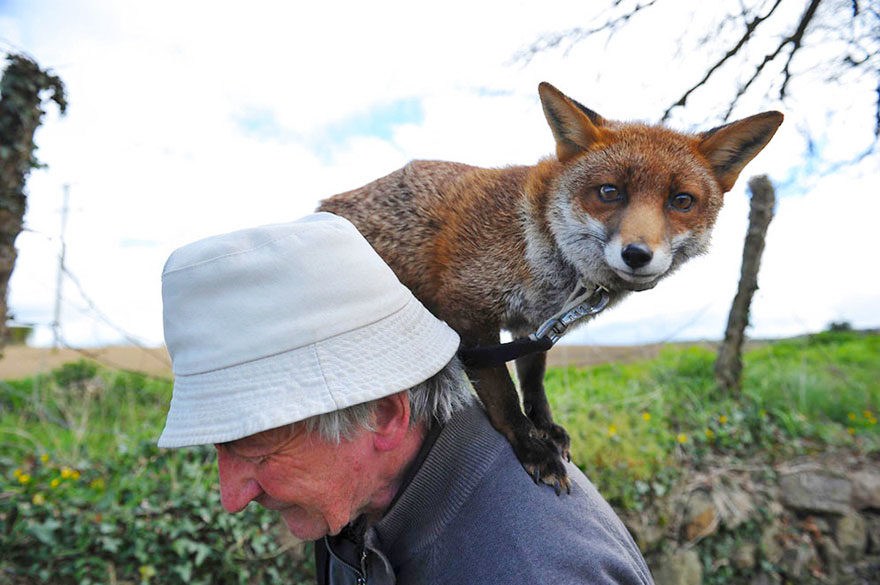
435	399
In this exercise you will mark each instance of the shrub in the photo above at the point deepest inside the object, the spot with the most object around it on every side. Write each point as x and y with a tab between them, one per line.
633	425
148	515
86	497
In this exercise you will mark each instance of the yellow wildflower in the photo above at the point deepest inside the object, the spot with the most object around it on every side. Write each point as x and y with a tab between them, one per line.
18	473
868	414
612	430
66	472
646	416
851	416
54	483
74	475
851	431
44	457
97	484
710	434
24	478
38	499
681	438
722	419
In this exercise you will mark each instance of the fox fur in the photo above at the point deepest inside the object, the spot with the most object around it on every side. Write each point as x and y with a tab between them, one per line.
621	205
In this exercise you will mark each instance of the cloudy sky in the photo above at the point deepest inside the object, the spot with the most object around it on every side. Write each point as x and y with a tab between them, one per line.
191	118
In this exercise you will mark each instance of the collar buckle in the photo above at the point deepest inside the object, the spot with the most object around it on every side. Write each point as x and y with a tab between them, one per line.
582	303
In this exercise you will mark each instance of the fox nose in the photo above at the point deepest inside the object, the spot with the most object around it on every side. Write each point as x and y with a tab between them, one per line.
636	255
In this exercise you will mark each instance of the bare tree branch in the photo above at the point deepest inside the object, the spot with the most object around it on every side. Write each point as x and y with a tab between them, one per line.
877	110
841	36
750	29
575	35
795	40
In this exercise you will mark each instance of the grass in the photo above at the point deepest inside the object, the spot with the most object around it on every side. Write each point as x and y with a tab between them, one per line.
86	497
632	425
81	412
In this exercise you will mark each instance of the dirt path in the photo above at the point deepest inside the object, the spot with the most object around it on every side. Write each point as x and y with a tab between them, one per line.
20	361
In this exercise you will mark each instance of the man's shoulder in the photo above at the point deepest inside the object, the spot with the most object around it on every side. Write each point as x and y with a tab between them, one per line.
507	497
511	522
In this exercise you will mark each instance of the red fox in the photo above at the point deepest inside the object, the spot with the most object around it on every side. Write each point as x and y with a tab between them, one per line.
621	205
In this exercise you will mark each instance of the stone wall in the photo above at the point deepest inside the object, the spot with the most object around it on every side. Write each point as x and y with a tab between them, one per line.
814	520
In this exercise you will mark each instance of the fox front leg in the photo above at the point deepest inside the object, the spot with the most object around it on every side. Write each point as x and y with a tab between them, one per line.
530	371
538	455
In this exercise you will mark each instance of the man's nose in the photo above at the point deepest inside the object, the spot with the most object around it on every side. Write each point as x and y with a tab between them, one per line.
237	484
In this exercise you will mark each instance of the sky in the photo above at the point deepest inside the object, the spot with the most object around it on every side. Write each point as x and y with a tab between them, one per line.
188	119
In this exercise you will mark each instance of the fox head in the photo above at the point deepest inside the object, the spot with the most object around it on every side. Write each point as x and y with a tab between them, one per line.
633	201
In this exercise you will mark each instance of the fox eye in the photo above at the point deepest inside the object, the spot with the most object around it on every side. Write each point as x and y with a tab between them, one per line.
682	201
609	193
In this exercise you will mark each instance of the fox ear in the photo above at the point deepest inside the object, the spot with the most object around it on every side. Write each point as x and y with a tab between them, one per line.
576	128
729	148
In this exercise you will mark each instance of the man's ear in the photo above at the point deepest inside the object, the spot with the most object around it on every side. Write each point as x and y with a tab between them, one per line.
391	421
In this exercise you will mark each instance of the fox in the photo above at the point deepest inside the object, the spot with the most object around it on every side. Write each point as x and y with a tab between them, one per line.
620	206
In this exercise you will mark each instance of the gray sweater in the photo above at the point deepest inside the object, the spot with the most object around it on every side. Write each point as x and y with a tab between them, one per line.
471	515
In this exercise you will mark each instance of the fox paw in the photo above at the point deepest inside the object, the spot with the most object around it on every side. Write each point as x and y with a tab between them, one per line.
541	459
560	438
556	435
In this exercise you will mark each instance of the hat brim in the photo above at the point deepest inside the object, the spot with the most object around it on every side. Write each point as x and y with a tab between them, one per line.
341	371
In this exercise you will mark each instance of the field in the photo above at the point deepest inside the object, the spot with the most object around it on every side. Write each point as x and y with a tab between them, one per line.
86	497
21	361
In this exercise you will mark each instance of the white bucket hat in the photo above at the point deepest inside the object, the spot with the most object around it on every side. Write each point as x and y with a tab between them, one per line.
271	325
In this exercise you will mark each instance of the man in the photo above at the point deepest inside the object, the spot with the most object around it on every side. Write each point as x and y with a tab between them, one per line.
334	397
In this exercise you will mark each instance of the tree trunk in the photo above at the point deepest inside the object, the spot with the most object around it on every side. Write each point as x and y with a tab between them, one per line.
728	365
20	115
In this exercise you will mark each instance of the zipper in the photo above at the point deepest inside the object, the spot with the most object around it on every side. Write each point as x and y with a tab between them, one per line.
360	574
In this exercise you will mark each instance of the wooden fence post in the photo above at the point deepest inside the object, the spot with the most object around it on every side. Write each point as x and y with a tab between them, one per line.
21	89
728	365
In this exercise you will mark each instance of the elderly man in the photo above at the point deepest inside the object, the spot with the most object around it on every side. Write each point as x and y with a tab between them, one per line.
334	397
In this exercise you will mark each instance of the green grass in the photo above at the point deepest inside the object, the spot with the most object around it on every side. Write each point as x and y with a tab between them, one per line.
86	497
633	425
81	412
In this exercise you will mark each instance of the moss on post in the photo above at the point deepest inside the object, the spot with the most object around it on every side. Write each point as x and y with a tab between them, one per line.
21	98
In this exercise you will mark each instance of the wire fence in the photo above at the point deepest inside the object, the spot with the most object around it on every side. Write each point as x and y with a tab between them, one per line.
85	305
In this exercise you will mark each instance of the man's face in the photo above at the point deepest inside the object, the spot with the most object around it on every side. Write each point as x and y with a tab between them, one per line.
317	486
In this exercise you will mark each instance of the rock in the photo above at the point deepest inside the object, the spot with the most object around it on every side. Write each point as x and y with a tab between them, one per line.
821	524
679	567
851	535
734	504
744	556
865	490
872	522
771	547
831	556
797	560
765	579
646	532
816	491
700	516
